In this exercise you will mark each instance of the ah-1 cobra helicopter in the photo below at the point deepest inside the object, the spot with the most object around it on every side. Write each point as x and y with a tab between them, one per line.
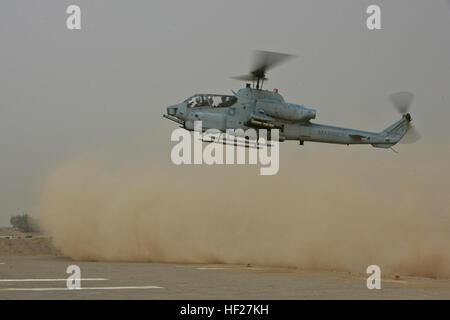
253	107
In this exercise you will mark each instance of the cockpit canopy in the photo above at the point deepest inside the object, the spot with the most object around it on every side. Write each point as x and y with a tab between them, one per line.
210	101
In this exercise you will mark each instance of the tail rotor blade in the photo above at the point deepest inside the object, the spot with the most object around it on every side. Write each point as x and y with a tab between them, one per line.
402	101
411	136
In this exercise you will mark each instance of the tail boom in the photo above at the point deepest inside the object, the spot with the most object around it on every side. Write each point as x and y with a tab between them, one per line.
315	132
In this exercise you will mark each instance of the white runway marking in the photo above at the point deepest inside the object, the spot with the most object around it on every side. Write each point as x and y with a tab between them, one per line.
2	263
211	268
50	280
82	288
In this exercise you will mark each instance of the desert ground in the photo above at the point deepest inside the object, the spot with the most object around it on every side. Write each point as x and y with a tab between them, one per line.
25	244
30	268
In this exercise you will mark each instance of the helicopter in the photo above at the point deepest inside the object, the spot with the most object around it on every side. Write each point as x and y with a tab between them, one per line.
253	107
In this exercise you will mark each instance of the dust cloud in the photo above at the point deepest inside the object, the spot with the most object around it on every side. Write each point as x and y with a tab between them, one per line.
328	214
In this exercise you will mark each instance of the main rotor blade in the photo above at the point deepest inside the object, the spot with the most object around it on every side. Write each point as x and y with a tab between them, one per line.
261	62
402	101
411	136
265	60
244	77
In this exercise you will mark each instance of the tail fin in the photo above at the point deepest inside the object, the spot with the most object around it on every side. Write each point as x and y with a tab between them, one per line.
395	132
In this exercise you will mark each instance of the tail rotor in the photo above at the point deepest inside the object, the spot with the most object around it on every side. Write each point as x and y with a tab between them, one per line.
402	102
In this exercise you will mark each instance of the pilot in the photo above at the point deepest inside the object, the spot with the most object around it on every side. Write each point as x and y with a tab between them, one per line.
204	101
197	102
229	101
223	102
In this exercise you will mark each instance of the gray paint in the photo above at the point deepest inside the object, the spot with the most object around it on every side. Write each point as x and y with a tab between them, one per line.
294	120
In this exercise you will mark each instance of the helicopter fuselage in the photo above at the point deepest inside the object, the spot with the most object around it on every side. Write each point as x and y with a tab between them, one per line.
263	109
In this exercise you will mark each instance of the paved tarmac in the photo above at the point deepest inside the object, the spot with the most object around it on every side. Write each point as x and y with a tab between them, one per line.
29	277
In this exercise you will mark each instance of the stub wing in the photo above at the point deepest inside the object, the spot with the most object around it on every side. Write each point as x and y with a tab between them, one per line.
357	136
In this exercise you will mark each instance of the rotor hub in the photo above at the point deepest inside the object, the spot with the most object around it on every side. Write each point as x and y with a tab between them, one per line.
408	117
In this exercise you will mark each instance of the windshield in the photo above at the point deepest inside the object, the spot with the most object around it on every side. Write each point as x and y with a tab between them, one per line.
211	101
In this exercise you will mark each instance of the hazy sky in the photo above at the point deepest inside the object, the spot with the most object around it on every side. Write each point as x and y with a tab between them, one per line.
65	92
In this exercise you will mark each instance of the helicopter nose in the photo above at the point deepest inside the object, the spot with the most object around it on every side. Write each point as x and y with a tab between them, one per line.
172	110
